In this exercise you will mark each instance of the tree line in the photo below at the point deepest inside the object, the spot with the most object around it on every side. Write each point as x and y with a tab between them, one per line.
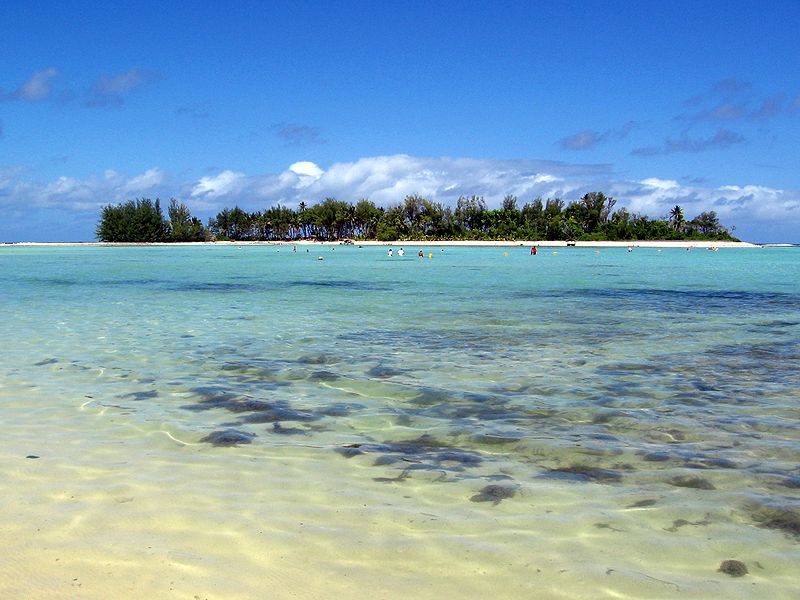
592	217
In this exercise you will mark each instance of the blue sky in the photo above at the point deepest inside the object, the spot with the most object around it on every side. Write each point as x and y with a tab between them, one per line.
259	103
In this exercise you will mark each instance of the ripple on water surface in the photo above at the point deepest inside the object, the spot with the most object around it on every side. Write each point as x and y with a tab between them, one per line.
586	437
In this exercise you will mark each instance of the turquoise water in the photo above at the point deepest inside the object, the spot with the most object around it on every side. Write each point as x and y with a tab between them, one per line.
205	421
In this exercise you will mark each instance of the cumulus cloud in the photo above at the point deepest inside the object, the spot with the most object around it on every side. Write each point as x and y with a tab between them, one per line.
112	90
226	184
139	185
307	168
584	140
386	180
73	194
732	203
37	88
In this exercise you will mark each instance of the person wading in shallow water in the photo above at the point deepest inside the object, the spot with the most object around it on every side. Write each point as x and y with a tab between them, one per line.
533	251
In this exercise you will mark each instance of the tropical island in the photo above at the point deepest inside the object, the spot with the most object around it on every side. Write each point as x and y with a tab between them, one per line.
591	218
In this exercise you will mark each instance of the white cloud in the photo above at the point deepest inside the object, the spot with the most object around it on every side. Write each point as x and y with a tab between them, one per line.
70	193
226	183
152	178
66	186
37	88
733	204
386	180
307	168
662	184
111	90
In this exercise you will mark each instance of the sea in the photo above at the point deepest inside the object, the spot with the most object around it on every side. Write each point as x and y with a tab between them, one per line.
317	422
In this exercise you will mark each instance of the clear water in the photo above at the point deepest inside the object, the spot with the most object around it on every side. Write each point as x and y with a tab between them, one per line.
223	422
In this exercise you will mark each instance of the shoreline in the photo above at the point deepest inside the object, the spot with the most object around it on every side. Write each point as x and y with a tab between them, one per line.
465	243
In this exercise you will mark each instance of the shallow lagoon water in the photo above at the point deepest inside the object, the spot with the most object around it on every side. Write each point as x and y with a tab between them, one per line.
215	422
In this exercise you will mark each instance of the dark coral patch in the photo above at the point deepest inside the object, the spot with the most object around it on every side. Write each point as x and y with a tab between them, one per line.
281	430
494	493
734	568
383	372
691	481
780	517
148	395
228	437
585	473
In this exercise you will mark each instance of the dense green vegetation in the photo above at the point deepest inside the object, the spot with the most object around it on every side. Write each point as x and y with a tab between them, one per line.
143	221
590	218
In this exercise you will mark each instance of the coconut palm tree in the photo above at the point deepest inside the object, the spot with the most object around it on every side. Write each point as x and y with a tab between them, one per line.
676	219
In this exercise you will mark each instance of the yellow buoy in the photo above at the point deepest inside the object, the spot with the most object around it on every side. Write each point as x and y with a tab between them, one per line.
430	254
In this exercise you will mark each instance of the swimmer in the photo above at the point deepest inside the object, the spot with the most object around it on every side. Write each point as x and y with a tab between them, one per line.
420	253
389	253
401	252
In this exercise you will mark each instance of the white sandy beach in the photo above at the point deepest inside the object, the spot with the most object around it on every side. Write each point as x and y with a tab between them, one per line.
424	243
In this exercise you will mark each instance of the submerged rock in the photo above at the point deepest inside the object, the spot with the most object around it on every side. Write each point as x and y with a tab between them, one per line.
585	473
339	409
47	361
656	456
148	395
494	493
323	376
384	372
782	518
710	462
228	438
278	428
734	568
350	450
279	412
691	481
643	503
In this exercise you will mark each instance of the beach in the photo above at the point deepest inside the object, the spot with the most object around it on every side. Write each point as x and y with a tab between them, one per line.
231	420
436	243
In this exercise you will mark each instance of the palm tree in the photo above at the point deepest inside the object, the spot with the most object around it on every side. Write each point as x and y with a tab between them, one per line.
676	218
